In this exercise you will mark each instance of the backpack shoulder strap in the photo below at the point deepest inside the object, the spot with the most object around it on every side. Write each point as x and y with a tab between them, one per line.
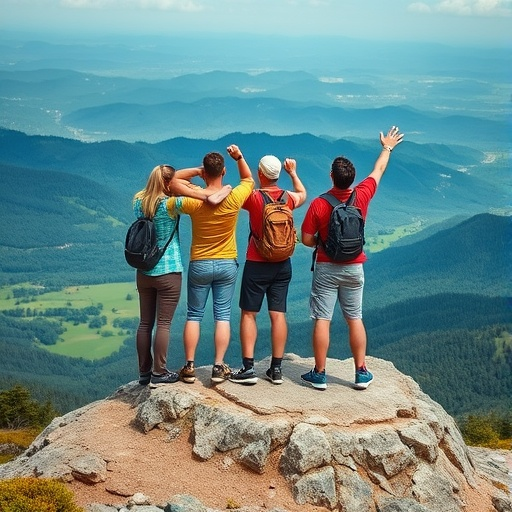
352	198
333	201
172	234
267	198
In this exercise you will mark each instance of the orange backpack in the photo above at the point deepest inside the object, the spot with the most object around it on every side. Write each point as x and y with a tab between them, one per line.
279	236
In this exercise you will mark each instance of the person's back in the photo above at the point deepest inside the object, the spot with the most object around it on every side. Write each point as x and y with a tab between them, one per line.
341	281
213	262
159	288
214	226
262	277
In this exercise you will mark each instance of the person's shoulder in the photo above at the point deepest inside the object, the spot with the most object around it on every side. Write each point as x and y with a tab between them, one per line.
368	181
368	186
247	181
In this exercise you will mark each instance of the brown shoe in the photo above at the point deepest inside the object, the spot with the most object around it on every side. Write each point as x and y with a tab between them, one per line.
188	374
221	372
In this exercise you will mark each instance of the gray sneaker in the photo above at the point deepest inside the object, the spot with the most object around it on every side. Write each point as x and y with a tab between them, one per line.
144	378
165	378
244	376
221	372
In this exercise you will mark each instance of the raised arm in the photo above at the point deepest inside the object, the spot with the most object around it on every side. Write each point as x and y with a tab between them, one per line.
180	184
299	191
389	141
243	168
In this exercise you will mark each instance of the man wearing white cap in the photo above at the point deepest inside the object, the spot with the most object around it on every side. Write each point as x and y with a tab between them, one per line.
262	277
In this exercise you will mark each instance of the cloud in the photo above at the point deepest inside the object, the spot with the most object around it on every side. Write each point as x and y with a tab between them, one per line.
420	7
464	7
163	5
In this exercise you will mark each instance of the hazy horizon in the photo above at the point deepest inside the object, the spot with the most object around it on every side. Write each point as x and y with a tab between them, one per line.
467	23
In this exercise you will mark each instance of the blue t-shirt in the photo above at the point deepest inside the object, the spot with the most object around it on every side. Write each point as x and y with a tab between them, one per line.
171	259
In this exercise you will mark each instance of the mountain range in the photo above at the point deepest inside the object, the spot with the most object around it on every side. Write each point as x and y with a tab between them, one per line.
74	198
209	105
69	204
81	127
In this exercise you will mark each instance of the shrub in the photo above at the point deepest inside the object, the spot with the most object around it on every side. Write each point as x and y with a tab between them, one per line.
490	431
14	442
31	494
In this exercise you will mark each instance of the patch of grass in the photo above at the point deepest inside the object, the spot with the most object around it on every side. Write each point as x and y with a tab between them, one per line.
21	437
380	242
80	340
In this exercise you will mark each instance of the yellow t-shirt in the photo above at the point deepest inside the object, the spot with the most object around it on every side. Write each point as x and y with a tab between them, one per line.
213	226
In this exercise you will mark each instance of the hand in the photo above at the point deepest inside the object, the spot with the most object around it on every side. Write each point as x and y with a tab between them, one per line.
218	196
393	137
234	152
290	165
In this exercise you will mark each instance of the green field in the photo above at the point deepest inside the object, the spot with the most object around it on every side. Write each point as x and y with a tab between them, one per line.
120	301
81	340
378	243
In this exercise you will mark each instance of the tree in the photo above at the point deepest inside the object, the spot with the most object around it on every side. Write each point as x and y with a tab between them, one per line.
18	410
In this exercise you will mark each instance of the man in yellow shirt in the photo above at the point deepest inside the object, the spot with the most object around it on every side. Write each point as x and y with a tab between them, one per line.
213	259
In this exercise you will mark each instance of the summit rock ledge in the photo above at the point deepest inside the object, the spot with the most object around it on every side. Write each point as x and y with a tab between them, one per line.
390	448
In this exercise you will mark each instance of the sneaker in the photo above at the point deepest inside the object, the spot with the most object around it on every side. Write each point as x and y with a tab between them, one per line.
274	375
363	378
188	374
165	378
144	378
221	372
244	376
316	379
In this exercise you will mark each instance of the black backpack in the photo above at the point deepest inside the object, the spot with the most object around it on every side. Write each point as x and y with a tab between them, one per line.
141	249
345	235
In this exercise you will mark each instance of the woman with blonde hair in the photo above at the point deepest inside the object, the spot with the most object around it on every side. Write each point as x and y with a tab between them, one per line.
159	289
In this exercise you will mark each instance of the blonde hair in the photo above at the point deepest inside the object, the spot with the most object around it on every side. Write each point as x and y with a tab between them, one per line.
155	189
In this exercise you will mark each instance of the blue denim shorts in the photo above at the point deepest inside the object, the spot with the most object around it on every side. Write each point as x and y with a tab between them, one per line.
333	282
219	276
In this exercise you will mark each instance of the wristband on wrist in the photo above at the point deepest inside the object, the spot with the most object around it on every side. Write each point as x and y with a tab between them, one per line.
387	148
239	158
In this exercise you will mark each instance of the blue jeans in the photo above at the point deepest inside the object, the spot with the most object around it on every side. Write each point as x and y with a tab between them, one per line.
219	276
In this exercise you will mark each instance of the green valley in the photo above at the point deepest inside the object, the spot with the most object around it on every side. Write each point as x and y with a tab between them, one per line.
89	336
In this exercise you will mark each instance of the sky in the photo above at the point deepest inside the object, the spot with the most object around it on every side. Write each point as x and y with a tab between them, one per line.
455	22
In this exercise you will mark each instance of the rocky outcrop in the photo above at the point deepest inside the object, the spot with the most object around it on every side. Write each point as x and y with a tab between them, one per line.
390	448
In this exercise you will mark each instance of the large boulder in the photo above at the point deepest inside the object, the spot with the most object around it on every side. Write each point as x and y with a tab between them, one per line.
388	448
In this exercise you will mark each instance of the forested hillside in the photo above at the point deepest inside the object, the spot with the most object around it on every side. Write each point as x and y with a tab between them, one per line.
457	347
432	304
74	199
